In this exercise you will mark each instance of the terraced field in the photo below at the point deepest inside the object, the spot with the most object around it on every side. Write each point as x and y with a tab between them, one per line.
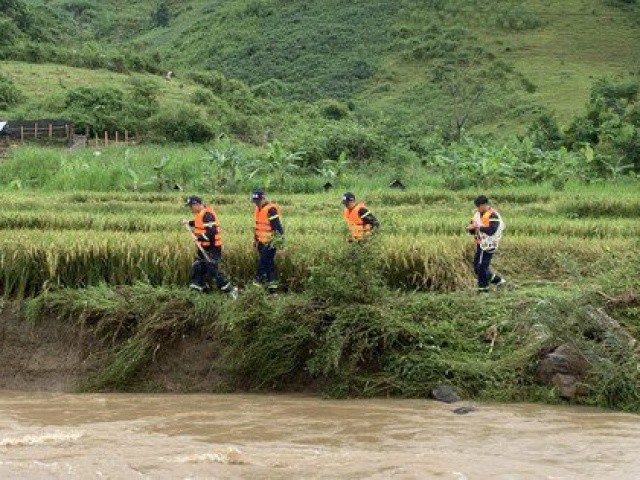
81	239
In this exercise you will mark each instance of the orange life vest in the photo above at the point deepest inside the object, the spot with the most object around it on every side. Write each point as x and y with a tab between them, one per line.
359	229
484	220
264	232
200	227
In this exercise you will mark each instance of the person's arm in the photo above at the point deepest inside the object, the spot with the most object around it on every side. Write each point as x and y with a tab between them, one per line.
274	221
210	226
368	218
494	223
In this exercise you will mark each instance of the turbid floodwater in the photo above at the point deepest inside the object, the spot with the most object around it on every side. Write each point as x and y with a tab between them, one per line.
50	436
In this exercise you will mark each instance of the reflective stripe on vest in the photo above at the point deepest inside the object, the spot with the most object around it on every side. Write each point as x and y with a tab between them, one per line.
200	227
358	228
264	232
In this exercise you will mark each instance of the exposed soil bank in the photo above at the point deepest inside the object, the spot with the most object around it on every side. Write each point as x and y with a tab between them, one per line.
54	356
49	357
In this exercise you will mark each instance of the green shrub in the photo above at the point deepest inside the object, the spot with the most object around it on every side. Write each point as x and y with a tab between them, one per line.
11	34
100	108
272	88
10	94
214	81
201	97
518	18
186	124
249	128
360	143
354	277
161	14
545	132
333	110
610	127
144	96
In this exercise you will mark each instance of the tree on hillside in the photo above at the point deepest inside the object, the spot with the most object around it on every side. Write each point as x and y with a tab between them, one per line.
18	11
468	88
161	16
473	85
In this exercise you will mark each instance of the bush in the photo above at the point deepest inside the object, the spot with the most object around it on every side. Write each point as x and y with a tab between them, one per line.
545	132
334	110
214	81
360	143
610	127
10	95
107	109
111	109
184	125
272	88
201	97
161	15
249	128
101	108
144	96
11	34
357	265
518	18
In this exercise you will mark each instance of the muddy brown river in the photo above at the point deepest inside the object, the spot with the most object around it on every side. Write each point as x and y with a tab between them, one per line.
50	436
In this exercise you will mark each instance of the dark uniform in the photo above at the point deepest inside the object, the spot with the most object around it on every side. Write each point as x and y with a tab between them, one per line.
208	234
268	224
489	224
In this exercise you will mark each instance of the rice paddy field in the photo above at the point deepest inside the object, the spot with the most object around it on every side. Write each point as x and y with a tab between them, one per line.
82	239
395	318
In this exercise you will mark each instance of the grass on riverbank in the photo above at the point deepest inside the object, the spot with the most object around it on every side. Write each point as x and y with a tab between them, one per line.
396	318
398	344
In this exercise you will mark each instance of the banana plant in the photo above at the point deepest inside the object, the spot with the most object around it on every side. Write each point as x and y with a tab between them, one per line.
278	165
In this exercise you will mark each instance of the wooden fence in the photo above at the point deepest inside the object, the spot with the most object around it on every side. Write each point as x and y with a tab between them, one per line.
48	131
109	140
62	131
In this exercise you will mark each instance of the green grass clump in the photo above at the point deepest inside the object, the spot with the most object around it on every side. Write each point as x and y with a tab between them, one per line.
400	345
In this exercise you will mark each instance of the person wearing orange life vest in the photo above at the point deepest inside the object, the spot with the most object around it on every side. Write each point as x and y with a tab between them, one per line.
269	236
361	221
207	232
486	226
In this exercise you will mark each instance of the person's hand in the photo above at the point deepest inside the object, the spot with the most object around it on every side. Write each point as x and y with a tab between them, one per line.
281	253
471	227
184	221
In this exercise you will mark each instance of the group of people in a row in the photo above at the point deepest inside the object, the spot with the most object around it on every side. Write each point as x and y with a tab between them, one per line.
486	226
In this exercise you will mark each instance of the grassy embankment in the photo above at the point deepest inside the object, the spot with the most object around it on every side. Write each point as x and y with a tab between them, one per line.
395	319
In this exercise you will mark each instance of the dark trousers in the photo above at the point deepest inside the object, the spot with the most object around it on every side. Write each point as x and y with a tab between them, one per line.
202	270
482	267
266	272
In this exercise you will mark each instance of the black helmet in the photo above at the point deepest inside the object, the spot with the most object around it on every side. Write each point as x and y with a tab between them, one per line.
481	200
348	197
193	200
257	195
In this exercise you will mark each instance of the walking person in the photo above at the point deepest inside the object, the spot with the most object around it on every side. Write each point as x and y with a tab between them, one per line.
206	231
487	226
268	238
361	221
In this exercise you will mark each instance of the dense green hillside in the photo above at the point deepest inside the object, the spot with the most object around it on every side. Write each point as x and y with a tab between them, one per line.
421	62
